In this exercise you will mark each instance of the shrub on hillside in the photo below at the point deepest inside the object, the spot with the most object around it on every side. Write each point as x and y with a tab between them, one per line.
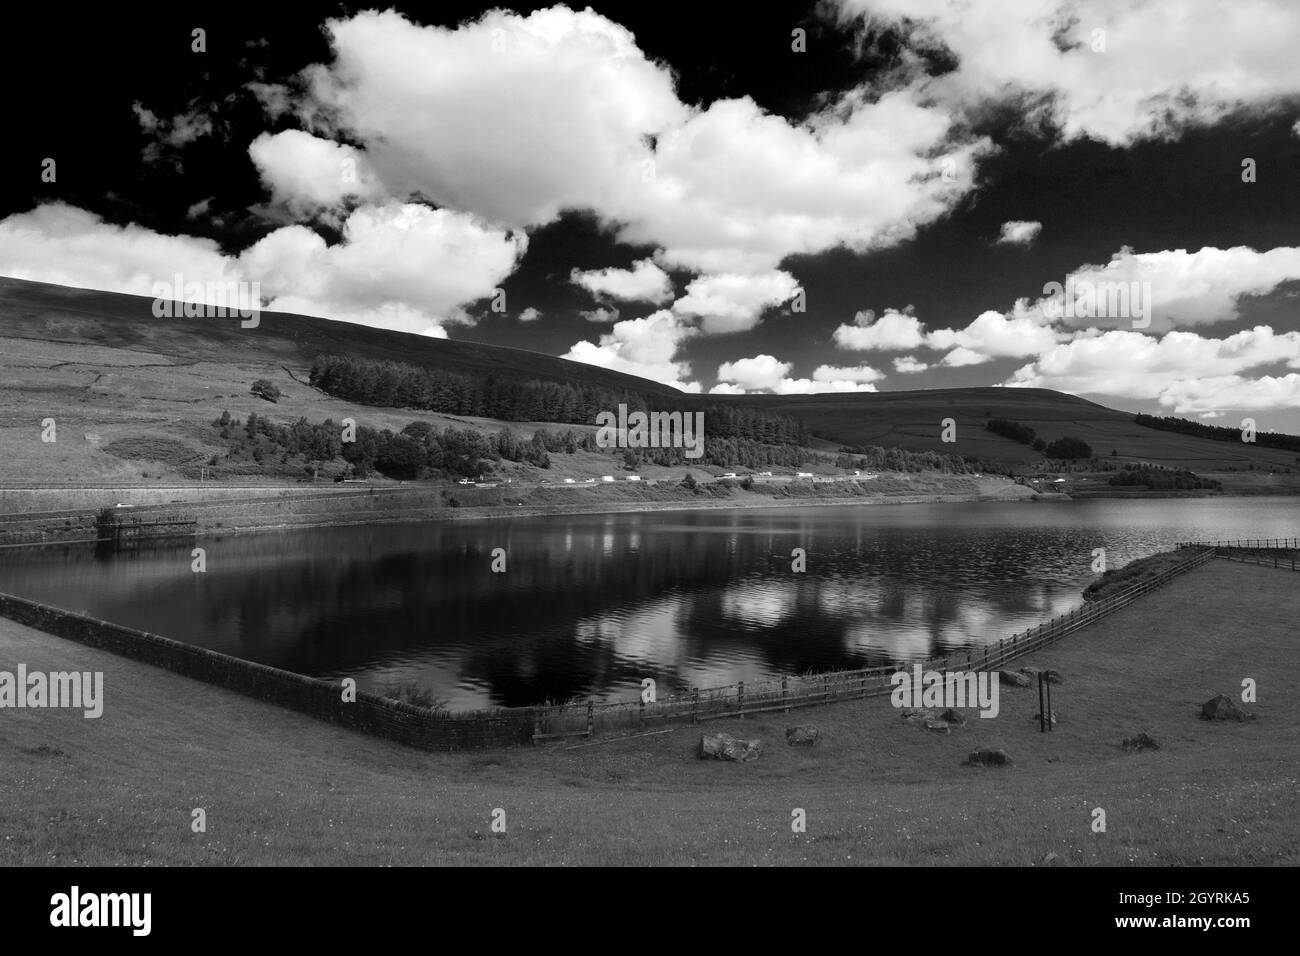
264	388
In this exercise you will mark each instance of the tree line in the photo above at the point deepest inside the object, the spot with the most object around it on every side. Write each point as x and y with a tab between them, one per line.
1218	432
482	394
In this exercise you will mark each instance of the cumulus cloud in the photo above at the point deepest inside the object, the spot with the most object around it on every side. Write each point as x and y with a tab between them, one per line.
530	315
1182	370
1115	70
762	372
1179	288
734	303
857	373
909	364
994	335
400	266
766	373
894	331
69	246
308	175
600	314
1019	232
518	118
644	282
646	347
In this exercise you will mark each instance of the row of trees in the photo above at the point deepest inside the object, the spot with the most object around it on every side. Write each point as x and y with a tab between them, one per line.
1162	479
875	458
1218	432
401	385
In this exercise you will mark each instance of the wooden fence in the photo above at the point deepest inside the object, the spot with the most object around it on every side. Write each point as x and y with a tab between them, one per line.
1253	551
586	718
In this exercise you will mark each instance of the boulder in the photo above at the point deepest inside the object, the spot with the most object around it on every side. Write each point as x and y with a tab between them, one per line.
1014	678
1142	741
801	736
918	713
727	747
988	758
1223	708
953	717
937	726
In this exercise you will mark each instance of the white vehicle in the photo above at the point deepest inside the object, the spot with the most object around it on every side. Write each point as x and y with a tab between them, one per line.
606	477
465	481
633	477
590	481
485	484
803	474
730	474
869	476
569	481
765	474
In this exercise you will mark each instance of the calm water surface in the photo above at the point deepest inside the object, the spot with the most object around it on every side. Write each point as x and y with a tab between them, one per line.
589	605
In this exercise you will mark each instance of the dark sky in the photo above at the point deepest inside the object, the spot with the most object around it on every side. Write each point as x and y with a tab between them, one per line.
74	80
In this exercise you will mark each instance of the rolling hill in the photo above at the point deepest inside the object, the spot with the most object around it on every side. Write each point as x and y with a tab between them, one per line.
106	369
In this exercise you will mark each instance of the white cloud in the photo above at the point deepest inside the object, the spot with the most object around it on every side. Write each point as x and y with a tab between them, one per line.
401	266
761	373
1181	369
644	282
961	356
1018	232
518	118
734	303
909	364
530	315
1186	288
309	175
765	373
181	130
515	118
646	347
1164	65
600	314
857	373
892	332
68	246
994	335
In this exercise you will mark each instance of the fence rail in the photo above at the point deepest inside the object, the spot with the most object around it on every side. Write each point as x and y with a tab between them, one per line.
1288	544
584	719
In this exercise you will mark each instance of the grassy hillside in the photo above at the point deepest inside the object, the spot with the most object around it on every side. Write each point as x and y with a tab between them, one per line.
912	420
113	376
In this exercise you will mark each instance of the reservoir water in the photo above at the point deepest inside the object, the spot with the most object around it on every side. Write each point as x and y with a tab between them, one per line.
589	605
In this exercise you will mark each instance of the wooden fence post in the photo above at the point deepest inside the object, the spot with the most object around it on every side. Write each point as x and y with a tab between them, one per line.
591	717
1042	713
695	705
1048	714
642	722
741	694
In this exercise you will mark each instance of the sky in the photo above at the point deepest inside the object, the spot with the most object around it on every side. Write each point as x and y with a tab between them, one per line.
861	195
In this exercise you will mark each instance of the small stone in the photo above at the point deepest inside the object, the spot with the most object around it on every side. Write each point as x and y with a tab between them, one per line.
1142	741
988	758
802	736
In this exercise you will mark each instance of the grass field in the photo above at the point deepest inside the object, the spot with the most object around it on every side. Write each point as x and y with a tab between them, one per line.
281	788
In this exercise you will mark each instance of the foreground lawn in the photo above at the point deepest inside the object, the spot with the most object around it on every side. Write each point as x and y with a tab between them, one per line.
282	788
